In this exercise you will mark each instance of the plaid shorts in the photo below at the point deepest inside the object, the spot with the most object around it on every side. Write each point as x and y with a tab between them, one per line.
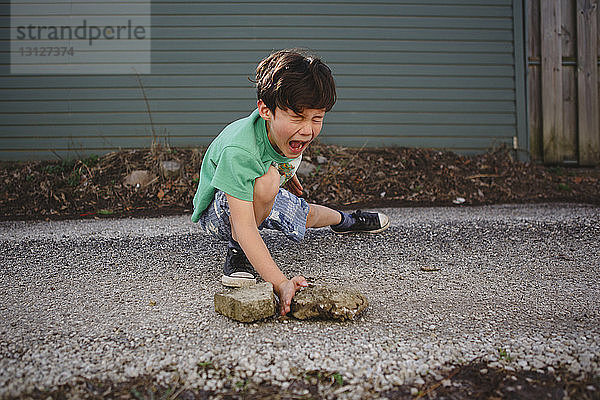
288	215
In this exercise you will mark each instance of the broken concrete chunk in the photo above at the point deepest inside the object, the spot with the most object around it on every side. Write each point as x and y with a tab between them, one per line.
323	302
321	159
139	178
305	169
247	304
170	169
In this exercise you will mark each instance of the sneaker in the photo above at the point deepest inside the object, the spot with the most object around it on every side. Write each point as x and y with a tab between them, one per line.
237	271
372	222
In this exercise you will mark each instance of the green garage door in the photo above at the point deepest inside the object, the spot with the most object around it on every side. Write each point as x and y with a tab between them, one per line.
440	74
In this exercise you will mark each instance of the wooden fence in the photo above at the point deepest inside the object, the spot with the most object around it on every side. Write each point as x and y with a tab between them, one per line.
563	68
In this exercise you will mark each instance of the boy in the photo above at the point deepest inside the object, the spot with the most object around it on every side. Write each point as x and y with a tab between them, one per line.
245	165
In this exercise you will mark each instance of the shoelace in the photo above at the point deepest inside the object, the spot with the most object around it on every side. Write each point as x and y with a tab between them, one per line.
363	219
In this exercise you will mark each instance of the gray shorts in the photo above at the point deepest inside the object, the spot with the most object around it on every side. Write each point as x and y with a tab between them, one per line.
288	215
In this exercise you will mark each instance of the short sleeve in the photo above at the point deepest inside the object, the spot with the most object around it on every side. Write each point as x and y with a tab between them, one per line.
235	173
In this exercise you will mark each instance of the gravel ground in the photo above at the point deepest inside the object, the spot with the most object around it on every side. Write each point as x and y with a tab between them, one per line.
518	287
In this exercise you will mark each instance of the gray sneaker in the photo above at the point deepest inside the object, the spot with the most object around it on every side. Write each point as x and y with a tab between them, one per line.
237	270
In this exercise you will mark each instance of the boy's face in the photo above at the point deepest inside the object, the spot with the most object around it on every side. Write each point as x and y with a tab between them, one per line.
291	133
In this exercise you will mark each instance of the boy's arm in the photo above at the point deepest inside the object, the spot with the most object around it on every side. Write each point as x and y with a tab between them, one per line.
294	186
244	225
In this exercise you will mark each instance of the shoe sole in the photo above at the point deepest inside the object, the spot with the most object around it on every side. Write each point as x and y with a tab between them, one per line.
375	231
237	282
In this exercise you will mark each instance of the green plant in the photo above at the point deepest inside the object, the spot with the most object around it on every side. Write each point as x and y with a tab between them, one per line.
324	377
503	354
240	384
54	169
564	187
59	167
338	378
168	393
74	178
50	169
105	212
91	161
206	365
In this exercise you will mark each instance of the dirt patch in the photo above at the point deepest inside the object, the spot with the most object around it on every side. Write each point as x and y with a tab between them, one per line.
470	381
344	178
477	381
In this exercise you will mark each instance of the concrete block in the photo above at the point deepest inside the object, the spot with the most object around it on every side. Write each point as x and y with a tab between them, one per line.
139	178
322	302
247	304
305	169
170	169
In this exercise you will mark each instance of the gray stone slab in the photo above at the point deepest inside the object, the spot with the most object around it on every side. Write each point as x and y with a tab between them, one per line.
247	304
323	302
171	169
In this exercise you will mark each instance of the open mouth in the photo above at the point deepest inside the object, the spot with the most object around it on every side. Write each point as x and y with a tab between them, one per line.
297	146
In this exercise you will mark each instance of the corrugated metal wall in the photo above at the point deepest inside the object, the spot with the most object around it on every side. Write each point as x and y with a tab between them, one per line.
431	74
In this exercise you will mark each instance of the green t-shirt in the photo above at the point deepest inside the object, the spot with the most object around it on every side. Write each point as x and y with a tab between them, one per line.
236	157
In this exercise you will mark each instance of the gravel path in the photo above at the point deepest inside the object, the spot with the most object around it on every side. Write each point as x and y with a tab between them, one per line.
517	286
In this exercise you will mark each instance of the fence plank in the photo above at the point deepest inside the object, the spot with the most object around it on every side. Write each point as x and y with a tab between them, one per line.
568	146
568	29
534	81
552	115
587	79
568	35
535	113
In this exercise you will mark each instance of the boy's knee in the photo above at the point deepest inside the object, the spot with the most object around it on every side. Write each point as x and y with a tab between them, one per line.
266	187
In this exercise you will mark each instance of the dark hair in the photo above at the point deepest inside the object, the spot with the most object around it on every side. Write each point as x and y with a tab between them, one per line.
294	79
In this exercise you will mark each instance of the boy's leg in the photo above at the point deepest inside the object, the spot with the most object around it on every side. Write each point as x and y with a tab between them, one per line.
265	191
320	216
341	222
237	270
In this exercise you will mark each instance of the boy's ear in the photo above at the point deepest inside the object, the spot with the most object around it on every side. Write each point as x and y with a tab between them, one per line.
264	111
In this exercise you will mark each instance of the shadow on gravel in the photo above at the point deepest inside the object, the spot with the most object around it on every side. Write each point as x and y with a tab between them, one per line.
470	381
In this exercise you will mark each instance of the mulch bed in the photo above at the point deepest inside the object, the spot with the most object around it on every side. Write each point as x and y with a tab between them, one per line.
344	177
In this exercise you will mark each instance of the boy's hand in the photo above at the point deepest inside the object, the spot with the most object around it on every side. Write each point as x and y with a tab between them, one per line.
286	291
294	186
